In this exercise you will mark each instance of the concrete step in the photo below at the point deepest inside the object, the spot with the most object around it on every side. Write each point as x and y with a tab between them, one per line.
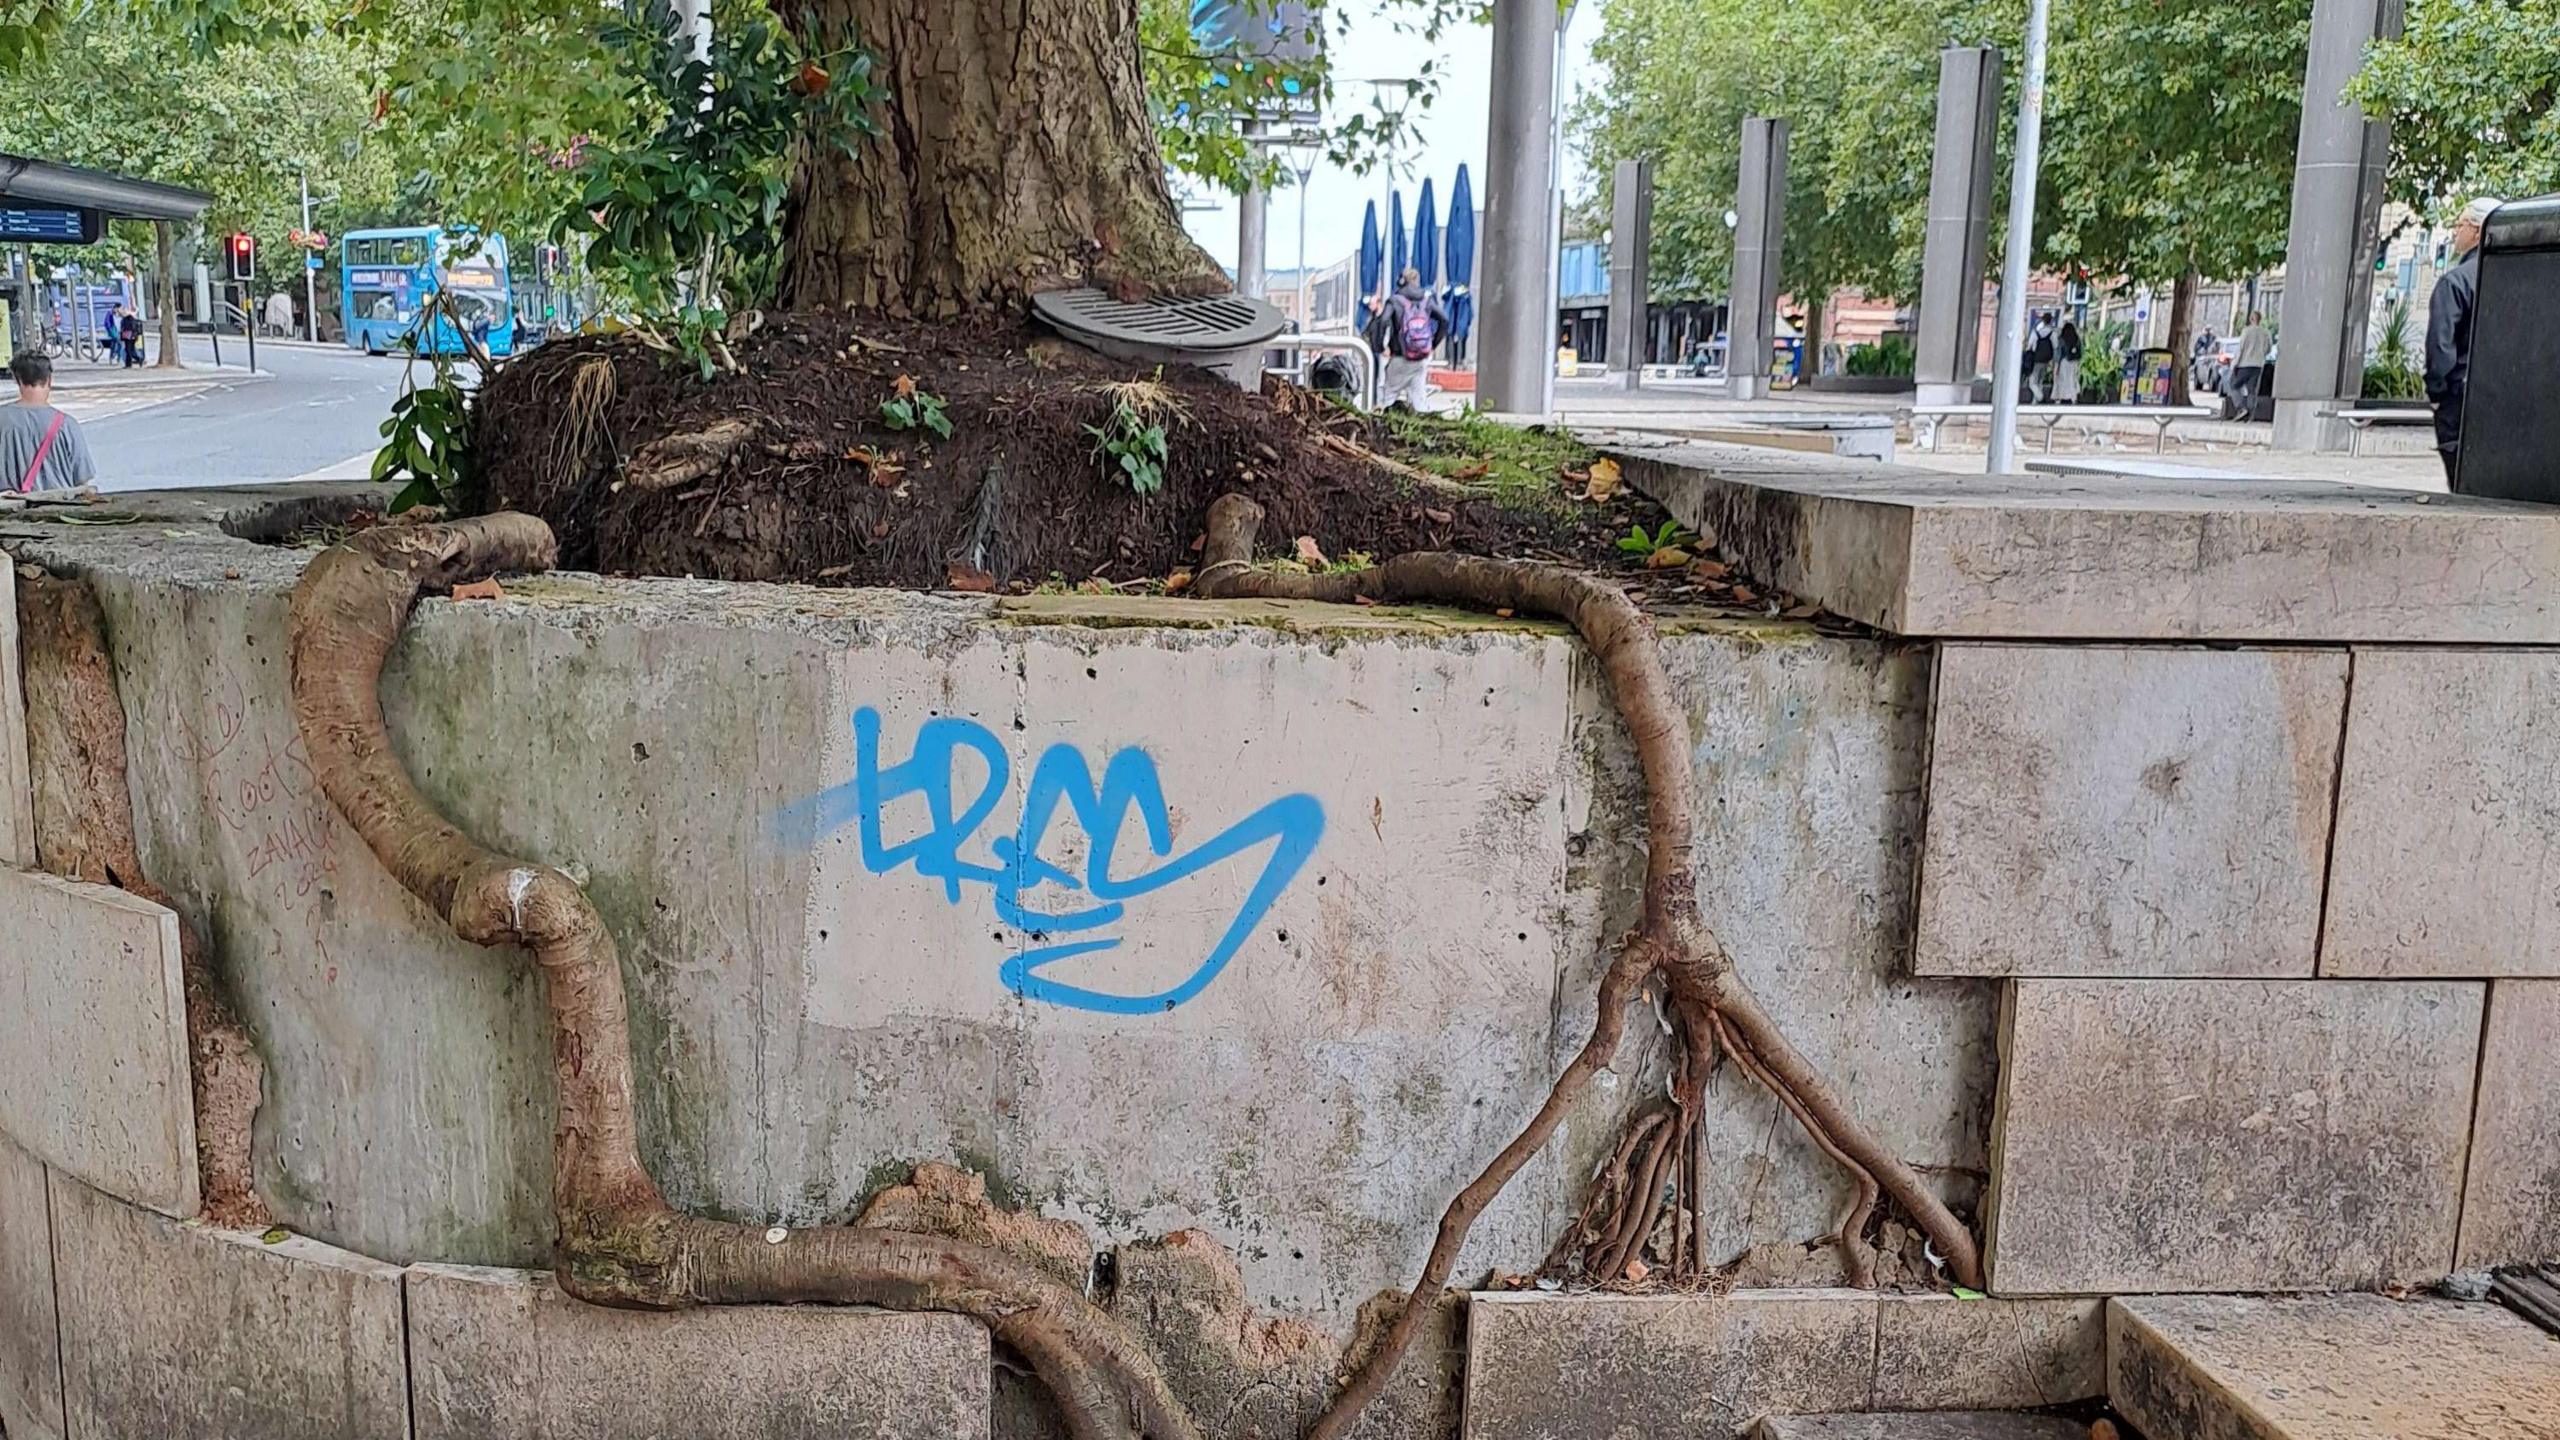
1926	1425
2330	1367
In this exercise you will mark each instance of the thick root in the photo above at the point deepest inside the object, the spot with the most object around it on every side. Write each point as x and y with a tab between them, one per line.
1672	939
84	831
620	1243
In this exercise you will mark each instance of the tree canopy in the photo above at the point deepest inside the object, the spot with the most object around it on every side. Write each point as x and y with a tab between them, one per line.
2470	88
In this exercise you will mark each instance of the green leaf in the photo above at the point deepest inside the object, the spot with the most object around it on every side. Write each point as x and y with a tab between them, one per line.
275	1235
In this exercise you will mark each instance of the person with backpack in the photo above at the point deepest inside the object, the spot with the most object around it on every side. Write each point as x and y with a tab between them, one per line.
41	448
1405	329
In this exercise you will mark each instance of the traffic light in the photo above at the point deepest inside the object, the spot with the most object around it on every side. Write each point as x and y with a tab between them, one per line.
244	255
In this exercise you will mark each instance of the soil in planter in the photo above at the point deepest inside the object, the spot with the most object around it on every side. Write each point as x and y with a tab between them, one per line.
792	468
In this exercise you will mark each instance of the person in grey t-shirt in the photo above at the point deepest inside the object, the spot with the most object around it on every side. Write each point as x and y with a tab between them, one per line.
41	448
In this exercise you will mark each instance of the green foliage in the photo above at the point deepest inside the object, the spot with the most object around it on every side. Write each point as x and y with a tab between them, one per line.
427	436
2102	362
679	223
910	408
1645	544
2391	373
1891	356
1133	441
2472	89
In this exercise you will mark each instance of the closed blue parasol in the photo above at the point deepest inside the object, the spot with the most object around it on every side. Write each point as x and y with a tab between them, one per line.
1372	253
1426	238
1395	238
1461	246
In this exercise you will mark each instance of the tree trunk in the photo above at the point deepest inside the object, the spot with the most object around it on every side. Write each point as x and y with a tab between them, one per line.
2182	336
1015	154
1813	336
164	294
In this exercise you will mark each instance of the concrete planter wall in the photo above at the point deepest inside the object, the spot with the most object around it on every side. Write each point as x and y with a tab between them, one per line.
2033	900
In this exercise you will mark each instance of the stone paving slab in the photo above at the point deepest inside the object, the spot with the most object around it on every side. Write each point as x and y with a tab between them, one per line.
17	804
173	1329
2511	1204
2173	1135
2112	811
1920	552
93	1039
1950	1425
30	1340
1937	1352
2448	817
2329	1367
1705	1367
503	1355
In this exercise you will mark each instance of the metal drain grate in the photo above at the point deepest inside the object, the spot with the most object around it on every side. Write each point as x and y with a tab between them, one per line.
1207	324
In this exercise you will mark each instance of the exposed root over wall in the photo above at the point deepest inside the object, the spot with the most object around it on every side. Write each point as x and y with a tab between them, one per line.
620	1243
84	830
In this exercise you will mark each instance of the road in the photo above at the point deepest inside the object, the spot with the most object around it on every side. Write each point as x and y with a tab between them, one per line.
318	412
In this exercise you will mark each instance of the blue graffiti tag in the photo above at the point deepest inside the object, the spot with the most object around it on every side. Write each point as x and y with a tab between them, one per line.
1061	779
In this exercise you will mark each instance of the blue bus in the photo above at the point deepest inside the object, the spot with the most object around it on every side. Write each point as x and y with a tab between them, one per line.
386	277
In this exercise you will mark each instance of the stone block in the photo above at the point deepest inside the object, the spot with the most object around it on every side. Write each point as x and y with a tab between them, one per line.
17	804
1702	1367
2105	811
2511	1204
2448	817
2166	1135
30	1340
93	1039
1936	1352
173	1329
2329	1367
2132	557
503	1355
1949	1425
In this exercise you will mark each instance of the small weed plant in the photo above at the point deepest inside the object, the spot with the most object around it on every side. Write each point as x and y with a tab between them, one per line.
1132	441
911	408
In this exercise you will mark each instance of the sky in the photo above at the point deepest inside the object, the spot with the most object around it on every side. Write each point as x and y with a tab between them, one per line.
1452	132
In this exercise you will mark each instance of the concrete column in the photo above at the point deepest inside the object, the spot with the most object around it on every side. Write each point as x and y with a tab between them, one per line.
1630	270
1517	323
1958	239
1760	203
202	282
1253	241
2337	199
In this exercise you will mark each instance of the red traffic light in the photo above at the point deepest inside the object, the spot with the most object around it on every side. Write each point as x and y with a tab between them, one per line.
244	255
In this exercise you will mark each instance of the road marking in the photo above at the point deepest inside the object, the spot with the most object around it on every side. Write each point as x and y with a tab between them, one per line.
358	466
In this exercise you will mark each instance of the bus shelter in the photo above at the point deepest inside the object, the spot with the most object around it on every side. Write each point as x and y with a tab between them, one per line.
44	203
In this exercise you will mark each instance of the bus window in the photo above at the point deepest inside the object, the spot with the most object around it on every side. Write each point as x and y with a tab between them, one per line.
408	250
378	305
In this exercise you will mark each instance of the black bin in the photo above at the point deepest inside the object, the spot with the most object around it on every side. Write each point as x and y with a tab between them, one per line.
2511	408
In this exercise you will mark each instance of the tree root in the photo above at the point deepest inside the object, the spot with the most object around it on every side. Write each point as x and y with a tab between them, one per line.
1713	1005
84	831
687	455
619	1241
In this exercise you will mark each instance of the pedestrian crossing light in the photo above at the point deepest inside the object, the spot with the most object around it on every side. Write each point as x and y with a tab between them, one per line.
244	255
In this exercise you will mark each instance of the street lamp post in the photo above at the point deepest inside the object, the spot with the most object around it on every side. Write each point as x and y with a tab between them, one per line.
310	277
2009	368
1303	155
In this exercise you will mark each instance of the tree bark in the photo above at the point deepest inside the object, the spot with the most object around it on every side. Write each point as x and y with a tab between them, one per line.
164	295
1015	154
2182	336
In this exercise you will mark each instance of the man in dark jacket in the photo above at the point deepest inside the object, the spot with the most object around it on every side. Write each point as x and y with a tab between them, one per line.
2449	333
1404	330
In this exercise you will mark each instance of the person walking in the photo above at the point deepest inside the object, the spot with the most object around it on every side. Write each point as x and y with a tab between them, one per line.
2249	367
129	333
2040	359
41	448
2449	336
2066	362
1406	329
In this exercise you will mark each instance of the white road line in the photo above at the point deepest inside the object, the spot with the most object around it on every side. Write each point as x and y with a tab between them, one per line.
358	466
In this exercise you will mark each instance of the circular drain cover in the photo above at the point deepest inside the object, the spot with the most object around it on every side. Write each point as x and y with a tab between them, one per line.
1205	325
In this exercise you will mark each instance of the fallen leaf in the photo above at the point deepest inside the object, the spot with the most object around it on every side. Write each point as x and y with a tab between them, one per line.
1309	553
879	529
1198	541
230	574
1503	613
275	1236
966	578
1363	600
1577	481
479	590
905	385
833	571
1605	478
1964	1294
1472	470
1669	557
1802	612
1637	1270
1177	582
1711	569
1745	595
1439	517
2102	1430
